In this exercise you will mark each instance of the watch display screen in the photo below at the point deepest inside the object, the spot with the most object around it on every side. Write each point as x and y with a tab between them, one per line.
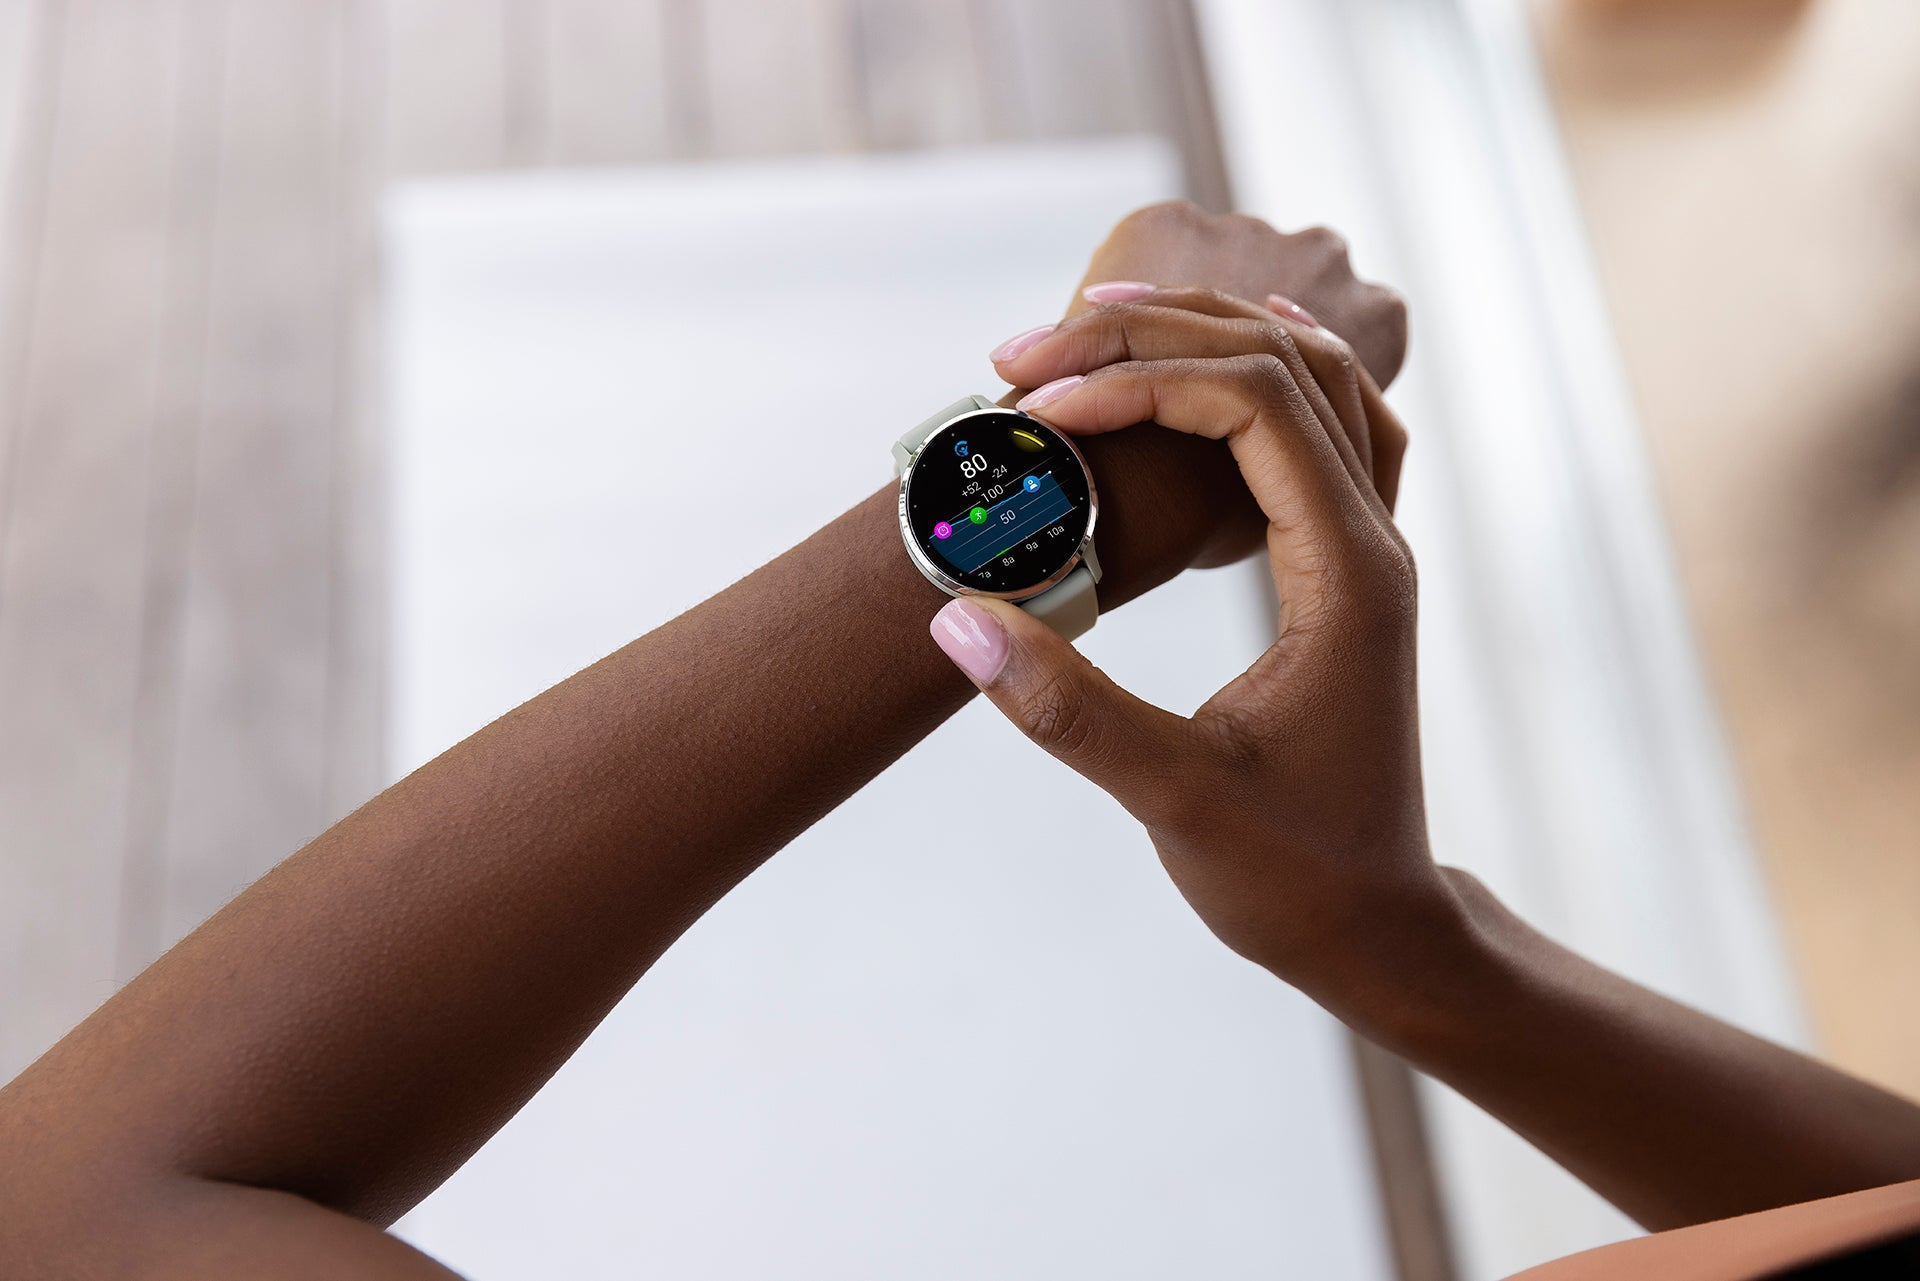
998	501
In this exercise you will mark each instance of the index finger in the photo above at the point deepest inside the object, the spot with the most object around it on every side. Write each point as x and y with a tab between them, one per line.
1285	453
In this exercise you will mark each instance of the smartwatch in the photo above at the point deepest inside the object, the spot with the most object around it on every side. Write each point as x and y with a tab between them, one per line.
994	502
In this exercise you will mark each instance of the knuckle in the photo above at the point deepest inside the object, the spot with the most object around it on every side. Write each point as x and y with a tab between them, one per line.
1176	213
1216	301
1055	714
1390	304
1122	323
1337	350
1390	320
1334	364
1131	332
1386	587
1345	370
1326	240
1278	341
1250	223
1112	333
1200	298
1365	588
1141	314
1265	374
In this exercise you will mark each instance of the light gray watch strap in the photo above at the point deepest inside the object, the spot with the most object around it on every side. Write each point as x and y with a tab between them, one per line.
908	445
1070	606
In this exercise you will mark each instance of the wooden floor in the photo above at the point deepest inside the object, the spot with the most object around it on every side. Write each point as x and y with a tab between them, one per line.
1749	174
189	459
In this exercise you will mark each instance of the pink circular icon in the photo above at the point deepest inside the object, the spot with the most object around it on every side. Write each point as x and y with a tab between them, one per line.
942	530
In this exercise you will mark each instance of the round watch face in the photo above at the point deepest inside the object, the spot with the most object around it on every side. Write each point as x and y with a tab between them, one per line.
998	502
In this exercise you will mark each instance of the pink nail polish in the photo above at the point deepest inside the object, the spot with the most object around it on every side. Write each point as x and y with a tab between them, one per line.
972	638
1047	393
1019	344
1117	291
1285	306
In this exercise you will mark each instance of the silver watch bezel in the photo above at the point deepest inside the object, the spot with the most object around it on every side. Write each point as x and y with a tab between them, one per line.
952	586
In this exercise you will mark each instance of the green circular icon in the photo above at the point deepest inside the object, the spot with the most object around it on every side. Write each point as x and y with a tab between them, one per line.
978	515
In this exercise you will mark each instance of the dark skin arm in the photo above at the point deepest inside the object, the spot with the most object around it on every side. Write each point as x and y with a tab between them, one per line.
1289	812
337	1040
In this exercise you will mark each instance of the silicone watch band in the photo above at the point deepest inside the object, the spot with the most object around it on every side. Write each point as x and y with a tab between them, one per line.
908	445
1070	606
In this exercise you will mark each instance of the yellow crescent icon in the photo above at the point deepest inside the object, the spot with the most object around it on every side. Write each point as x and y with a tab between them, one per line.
1027	440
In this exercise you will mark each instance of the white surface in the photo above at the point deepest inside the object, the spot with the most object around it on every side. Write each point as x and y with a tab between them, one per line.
930	1039
1572	755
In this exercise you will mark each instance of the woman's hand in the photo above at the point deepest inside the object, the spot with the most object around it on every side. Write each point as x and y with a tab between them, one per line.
1167	501
1287	809
1153	323
1178	243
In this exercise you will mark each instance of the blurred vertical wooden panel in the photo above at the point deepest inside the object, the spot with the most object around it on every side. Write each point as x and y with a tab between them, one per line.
1184	111
689	96
919	73
447	97
356	598
72	546
431	86
780	77
171	486
21	23
29	35
1084	67
249	764
1404	1172
1081	67
525	99
610	97
1003	100
29	45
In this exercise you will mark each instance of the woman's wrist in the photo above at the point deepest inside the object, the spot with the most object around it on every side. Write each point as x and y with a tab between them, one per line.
1441	958
1167	502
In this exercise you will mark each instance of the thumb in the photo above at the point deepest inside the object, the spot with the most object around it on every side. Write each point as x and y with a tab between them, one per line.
1058	699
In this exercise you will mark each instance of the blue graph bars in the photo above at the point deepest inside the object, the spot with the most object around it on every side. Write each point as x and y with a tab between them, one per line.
972	546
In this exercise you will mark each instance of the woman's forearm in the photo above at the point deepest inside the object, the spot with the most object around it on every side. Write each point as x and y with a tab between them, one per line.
357	1022
353	1026
1674	1116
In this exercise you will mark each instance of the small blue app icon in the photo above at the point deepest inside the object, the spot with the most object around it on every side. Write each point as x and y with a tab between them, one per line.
960	448
1033	484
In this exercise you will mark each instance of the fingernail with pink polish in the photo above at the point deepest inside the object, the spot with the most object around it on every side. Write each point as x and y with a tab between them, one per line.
1020	344
1117	291
972	638
1282	305
1047	393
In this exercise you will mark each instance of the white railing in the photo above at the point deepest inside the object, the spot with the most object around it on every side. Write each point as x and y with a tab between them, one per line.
1574	756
